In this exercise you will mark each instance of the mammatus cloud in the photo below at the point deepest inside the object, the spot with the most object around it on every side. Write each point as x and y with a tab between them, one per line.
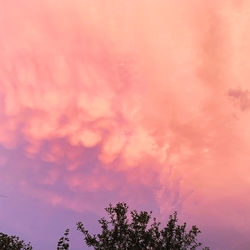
141	88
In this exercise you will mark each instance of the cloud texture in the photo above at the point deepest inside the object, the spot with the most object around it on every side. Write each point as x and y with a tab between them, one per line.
132	100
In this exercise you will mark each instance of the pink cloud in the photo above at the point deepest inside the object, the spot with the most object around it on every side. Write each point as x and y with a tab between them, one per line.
147	90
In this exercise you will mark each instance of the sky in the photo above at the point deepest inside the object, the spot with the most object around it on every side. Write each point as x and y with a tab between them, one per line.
143	101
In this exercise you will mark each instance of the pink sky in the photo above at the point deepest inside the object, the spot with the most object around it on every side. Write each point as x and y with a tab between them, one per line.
143	101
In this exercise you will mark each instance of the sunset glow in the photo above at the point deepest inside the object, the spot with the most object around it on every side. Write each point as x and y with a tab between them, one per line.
143	101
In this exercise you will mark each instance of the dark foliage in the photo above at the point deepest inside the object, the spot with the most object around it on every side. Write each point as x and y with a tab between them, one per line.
63	243
13	243
136	233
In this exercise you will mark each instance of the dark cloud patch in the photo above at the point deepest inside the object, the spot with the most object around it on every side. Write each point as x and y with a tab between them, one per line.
241	98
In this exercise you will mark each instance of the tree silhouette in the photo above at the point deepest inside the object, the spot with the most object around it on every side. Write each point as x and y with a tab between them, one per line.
120	232
63	243
13	243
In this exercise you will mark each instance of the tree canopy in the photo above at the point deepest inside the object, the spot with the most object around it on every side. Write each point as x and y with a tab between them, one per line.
63	243
140	231
124	230
13	243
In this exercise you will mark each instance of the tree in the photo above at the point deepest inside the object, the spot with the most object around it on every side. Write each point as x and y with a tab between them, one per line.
136	233
63	243
13	243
